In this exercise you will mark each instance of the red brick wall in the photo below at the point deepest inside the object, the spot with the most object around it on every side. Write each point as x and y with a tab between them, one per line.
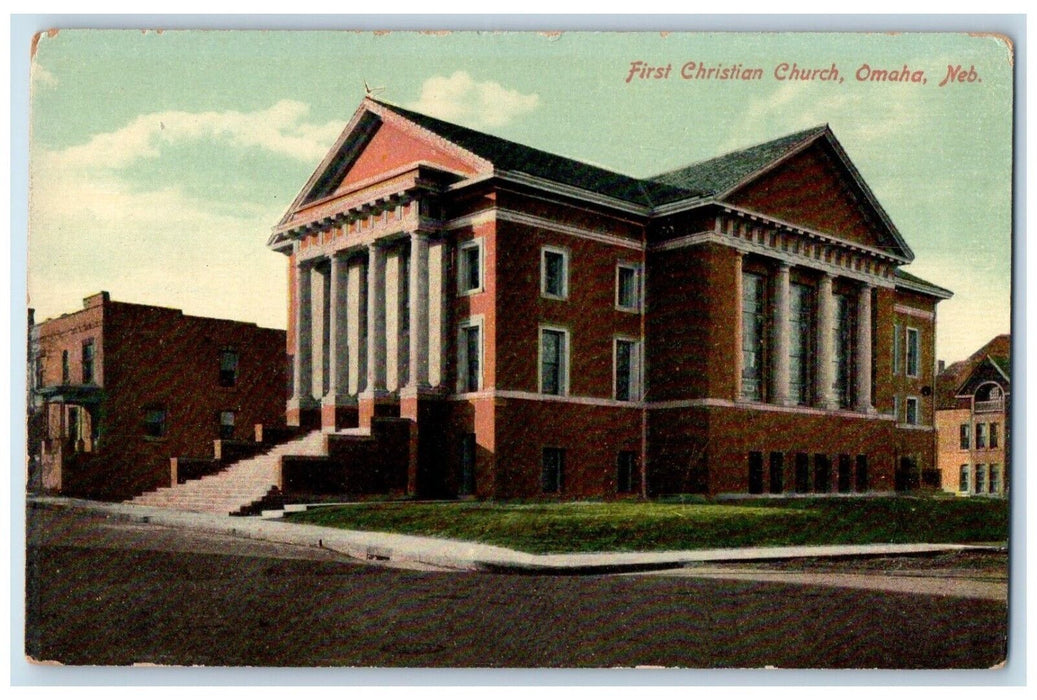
924	384
693	323
154	356
592	437
589	313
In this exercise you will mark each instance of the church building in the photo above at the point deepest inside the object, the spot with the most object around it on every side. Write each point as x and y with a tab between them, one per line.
554	329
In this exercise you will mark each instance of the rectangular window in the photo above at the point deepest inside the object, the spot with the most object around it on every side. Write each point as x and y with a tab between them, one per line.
628	287
628	477
627	374
228	367
64	367
981	436
88	362
38	373
155	422
993	435
822	473
995	478
862	474
965	436
981	478
845	473
553	472
226	425
753	336
554	273
898	347
913	352
554	361
469	273
912	417
755	472
777	469
802	472
963	478
469	362
800	346
843	345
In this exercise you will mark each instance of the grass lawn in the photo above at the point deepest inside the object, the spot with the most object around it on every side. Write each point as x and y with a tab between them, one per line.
646	526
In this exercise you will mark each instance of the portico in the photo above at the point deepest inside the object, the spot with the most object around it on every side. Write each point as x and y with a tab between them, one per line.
362	340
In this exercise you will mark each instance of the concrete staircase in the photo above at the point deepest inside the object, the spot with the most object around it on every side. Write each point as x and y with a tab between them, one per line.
239	489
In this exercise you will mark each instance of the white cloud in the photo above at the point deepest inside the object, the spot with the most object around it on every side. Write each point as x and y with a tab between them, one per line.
93	228
460	98
89	233
281	129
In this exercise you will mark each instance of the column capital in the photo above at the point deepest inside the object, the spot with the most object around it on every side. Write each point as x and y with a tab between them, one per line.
784	265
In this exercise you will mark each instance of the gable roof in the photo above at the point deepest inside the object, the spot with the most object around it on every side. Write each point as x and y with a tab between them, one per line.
511	156
699	183
917	284
954	375
987	370
720	174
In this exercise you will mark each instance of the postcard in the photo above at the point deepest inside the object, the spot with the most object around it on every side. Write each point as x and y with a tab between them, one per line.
681	350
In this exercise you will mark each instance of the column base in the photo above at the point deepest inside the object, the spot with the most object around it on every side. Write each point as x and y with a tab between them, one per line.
419	391
338	413
379	403
303	412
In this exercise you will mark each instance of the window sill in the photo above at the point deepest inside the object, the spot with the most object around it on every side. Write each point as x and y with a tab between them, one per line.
554	297
470	292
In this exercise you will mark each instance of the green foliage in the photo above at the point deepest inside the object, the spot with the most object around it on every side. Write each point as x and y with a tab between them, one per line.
655	526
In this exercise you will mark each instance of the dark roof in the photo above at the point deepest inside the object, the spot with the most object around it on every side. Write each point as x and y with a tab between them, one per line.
1004	364
508	155
724	172
954	375
929	287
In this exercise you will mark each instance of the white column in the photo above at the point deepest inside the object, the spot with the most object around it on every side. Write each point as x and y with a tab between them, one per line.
302	365
375	319
325	330
864	350
438	314
338	361
356	327
780	353
397	319
419	325
825	342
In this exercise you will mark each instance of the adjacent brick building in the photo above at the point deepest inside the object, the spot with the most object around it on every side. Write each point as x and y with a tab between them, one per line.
553	328
120	388
973	413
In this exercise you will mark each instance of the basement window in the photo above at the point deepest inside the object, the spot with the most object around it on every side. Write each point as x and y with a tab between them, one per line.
155	420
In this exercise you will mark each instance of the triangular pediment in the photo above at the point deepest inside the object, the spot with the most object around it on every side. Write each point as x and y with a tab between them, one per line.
378	142
817	187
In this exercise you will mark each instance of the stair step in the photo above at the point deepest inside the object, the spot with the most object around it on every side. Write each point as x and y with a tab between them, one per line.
241	485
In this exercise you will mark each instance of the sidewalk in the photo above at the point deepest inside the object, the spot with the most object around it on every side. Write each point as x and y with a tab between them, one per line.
471	556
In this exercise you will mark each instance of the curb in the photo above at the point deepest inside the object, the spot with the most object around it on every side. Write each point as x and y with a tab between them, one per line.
475	557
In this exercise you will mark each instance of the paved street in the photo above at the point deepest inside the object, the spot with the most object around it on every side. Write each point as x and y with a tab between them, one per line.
105	591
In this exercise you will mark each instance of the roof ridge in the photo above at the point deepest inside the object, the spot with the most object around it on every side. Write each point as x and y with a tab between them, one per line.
484	134
805	133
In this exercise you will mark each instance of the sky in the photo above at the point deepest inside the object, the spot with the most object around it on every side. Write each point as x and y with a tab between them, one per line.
159	161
